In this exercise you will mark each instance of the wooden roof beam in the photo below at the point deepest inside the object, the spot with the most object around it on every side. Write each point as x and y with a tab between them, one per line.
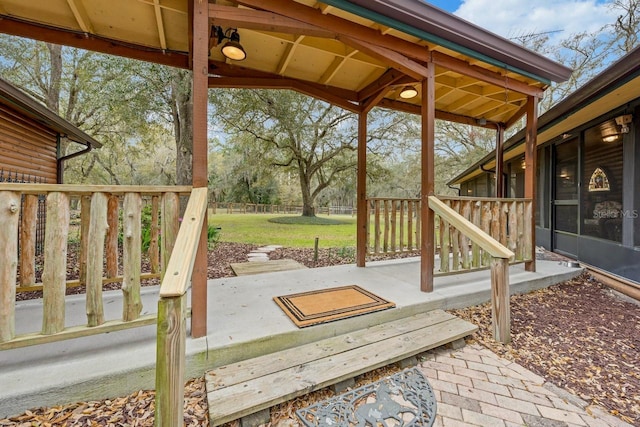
389	77
397	60
17	27
80	14
229	16
314	90
417	52
440	115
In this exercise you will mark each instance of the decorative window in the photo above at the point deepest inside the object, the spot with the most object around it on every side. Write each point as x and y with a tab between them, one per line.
599	181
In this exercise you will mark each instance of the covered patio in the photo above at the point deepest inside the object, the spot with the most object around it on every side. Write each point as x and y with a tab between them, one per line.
356	54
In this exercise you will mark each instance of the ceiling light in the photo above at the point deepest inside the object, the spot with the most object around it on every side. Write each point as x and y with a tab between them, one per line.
408	92
232	49
610	138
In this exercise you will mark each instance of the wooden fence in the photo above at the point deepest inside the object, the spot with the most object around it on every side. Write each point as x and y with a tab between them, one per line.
107	214
394	227
247	208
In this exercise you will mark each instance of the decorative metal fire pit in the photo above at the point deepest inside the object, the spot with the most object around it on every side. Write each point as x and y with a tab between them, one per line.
404	399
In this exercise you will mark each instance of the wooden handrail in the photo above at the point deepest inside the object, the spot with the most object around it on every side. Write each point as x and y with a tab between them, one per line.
88	190
178	273
172	311
485	241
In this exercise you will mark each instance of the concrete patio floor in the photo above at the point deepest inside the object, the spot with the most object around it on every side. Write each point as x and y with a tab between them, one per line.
243	322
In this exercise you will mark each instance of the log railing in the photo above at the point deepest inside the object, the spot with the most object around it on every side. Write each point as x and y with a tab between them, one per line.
172	313
499	261
502	219
108	214
394	226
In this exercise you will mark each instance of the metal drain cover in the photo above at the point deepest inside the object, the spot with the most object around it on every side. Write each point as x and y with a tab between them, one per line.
403	399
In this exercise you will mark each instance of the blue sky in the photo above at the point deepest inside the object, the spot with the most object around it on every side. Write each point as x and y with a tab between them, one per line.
513	18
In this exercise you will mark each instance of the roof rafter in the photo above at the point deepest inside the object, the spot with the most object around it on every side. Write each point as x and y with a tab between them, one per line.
398	61
160	24
80	14
335	66
288	54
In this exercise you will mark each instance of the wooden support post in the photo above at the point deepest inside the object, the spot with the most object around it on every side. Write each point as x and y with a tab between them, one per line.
500	311
54	273
132	254
97	233
362	216
85	217
455	240
9	220
427	251
530	160
170	227
28	240
112	237
170	361
200	66
154	245
500	188
385	247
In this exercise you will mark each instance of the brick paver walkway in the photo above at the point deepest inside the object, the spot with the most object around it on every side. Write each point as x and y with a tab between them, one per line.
475	387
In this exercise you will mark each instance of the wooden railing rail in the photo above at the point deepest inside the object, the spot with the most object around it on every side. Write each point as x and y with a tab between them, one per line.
108	215
500	256
172	313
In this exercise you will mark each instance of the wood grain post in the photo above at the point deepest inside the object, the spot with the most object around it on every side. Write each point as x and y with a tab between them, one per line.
112	237
445	243
154	245
427	182
54	273
500	311
28	240
385	247
170	361
464	240
455	240
362	216
401	212
97	233
530	160
85	219
376	226
476	215
394	214
170	226
9	220
410	225
132	254
486	227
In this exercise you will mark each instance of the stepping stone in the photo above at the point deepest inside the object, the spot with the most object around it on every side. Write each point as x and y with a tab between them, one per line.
260	266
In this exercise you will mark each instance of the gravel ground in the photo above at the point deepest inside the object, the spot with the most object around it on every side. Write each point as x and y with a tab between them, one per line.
578	335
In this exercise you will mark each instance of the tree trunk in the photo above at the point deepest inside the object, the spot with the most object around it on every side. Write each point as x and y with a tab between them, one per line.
307	197
183	125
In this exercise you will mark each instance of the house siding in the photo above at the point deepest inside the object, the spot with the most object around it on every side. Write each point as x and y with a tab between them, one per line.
27	147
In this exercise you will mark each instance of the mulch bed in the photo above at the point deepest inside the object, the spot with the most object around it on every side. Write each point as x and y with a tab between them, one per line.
578	335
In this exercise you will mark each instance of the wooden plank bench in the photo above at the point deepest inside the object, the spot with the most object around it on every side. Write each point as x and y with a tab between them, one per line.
244	388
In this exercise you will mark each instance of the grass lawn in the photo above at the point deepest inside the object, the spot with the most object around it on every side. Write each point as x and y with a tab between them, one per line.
256	228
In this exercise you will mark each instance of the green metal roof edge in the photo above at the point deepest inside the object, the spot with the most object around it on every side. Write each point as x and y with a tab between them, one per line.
400	26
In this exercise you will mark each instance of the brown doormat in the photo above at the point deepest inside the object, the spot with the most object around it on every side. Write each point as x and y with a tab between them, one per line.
326	305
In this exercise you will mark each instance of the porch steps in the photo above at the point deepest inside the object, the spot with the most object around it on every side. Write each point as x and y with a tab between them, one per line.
240	389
